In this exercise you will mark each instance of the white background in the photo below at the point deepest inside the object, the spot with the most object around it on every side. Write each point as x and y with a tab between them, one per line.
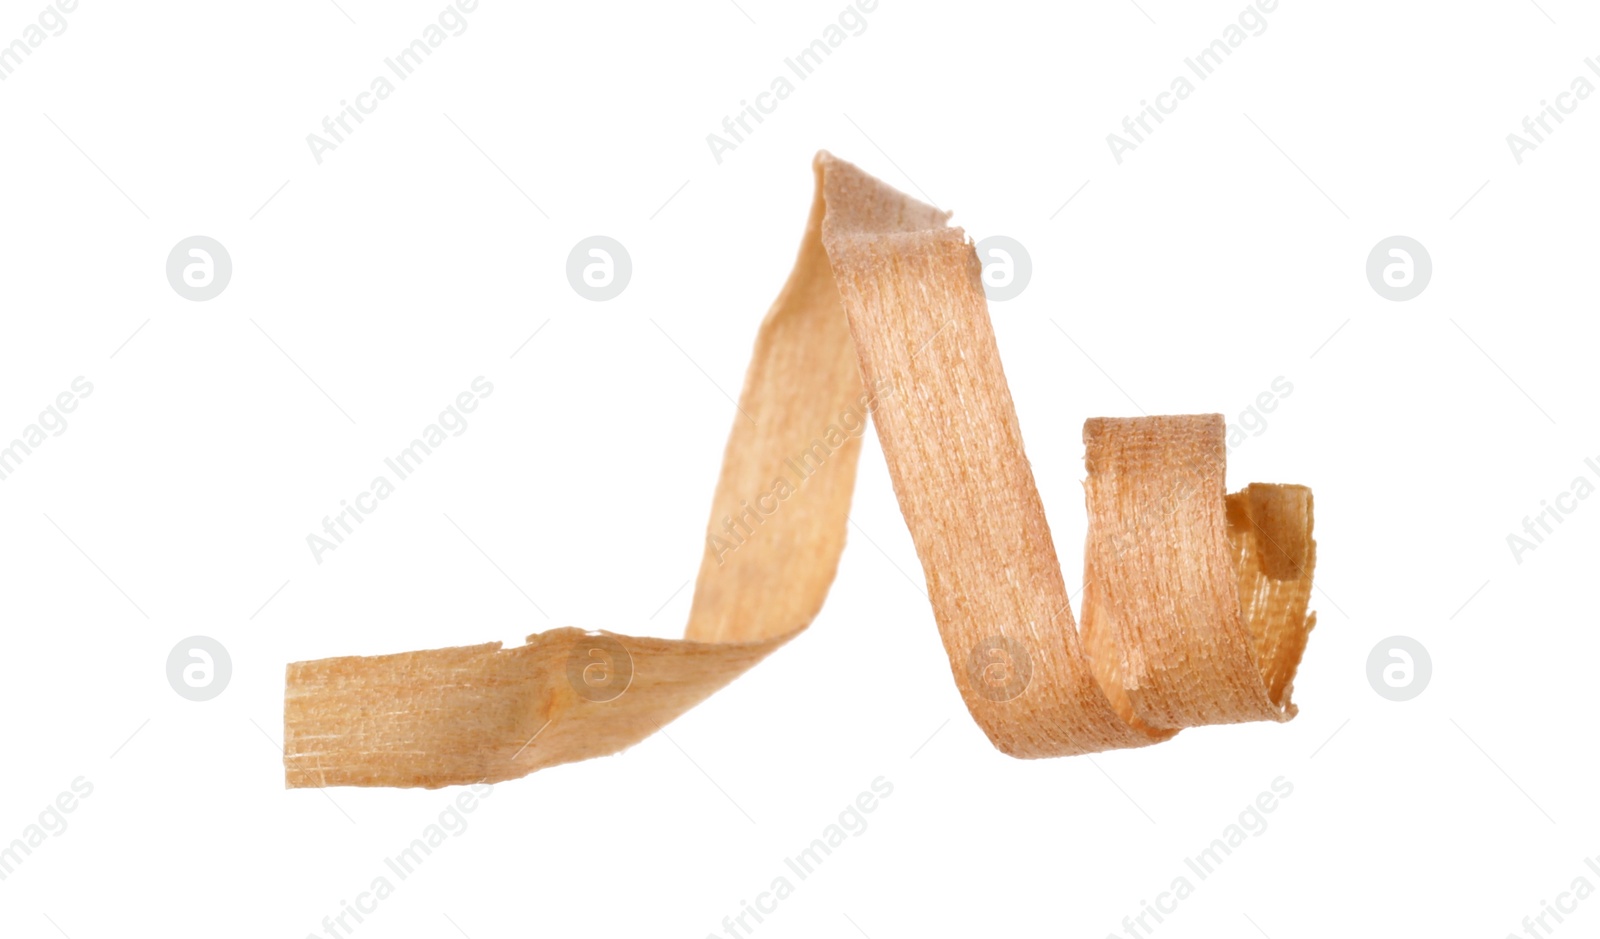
1221	254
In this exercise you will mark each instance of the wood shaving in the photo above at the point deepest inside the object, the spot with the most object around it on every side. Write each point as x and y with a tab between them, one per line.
1194	604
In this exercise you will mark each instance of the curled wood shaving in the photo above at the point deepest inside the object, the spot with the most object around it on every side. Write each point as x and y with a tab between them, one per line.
1194	606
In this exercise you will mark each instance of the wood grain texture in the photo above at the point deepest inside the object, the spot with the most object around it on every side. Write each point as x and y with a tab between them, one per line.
1194	603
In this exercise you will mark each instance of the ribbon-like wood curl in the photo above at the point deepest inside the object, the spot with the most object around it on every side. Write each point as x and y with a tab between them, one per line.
1194	607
